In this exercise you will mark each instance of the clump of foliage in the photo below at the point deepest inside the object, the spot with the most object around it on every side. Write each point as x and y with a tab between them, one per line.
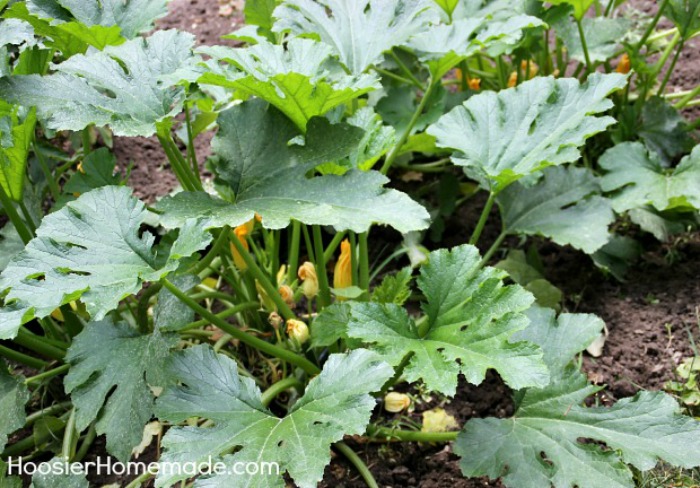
240	311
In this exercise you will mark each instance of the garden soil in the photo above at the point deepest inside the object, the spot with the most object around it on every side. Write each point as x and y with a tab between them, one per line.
650	316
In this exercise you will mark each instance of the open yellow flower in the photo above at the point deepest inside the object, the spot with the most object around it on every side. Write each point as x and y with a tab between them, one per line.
342	275
241	233
309	279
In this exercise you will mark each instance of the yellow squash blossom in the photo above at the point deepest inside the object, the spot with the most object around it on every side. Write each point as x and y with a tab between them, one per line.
342	275
297	330
309	279
241	233
474	83
287	294
513	79
624	64
396	402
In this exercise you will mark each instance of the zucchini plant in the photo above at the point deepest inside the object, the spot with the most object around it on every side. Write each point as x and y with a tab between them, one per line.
239	312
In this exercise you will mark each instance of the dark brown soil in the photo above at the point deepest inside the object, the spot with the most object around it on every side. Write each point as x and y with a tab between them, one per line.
649	316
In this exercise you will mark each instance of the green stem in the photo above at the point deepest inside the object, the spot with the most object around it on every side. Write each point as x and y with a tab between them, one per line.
14	217
86	444
364	260
48	374
28	220
277	388
335	242
293	261
143	305
669	72
324	292
652	26
45	412
391	157
355	460
190	145
50	180
140	480
21	358
37	344
584	45
393	76
242	307
411	436
87	140
218	247
252	341
406	71
259	275
353	259
482	220
494	247
69	440
398	372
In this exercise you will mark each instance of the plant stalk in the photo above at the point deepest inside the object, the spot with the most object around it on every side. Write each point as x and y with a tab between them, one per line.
277	388
359	464
252	341
483	219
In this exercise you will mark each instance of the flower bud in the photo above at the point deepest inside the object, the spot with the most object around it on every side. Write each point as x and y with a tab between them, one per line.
474	84
275	320
307	274
624	65
287	294
342	275
241	233
513	79
267	302
396	402
297	330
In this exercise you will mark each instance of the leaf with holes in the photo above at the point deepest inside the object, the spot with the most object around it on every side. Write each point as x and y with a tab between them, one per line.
91	249
636	178
359	31
113	370
334	404
301	79
121	87
565	206
268	176
500	137
541	444
470	318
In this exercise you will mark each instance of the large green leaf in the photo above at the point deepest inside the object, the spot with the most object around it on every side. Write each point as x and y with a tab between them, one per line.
69	38
265	174
664	130
541	445
300	79
580	6
10	245
603	37
121	87
113	369
500	137
91	249
565	205
334	404
13	395
132	16
686	15
444	46
58	473
16	136
637	178
360	31
471	316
